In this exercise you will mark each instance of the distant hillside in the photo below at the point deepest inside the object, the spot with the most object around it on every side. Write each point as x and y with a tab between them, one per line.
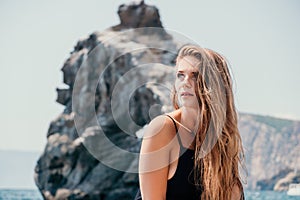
17	169
272	149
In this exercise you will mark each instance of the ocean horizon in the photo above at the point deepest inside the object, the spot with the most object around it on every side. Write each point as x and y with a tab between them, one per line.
34	194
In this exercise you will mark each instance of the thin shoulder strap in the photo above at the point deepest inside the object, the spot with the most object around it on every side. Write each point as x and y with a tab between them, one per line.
179	140
173	122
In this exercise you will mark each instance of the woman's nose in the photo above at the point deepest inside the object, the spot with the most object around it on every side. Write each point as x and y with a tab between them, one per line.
187	81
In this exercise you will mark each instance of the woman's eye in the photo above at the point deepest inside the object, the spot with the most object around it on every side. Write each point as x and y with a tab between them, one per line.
180	76
194	77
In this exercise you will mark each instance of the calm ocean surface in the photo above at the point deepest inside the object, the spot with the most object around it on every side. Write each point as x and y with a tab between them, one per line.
11	194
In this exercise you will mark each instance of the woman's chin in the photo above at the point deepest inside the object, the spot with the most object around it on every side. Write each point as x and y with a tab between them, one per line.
190	105
188	101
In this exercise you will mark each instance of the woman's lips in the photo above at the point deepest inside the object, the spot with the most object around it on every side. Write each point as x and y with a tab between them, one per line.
186	94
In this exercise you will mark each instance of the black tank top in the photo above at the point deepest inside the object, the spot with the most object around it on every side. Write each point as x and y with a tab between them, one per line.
181	186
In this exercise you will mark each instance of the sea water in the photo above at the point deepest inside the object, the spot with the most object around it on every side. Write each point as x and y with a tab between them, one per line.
20	194
32	194
269	195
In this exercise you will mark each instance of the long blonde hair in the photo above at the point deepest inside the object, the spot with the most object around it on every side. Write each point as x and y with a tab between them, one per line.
218	145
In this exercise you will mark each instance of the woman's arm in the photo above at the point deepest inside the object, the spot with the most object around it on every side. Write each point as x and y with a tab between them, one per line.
155	158
237	192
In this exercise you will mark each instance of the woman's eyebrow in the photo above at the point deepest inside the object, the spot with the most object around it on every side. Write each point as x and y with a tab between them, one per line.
194	73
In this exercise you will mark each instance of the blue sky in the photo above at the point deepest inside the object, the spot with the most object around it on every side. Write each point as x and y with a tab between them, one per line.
259	38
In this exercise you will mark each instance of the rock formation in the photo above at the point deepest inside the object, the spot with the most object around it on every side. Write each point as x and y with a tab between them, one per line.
135	15
135	67
283	183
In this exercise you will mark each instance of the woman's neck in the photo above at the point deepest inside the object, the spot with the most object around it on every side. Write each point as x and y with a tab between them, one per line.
189	118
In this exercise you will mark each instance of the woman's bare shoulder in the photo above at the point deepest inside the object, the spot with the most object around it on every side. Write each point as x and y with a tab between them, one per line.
175	114
159	124
159	132
163	122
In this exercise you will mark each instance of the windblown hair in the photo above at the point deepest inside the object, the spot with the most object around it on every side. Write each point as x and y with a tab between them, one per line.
218	145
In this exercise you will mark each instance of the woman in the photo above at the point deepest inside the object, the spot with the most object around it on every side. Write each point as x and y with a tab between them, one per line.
194	152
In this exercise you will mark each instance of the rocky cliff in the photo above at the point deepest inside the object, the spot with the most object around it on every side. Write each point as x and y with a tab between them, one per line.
272	149
118	80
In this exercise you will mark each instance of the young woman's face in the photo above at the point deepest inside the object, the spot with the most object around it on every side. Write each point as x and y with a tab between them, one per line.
185	82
